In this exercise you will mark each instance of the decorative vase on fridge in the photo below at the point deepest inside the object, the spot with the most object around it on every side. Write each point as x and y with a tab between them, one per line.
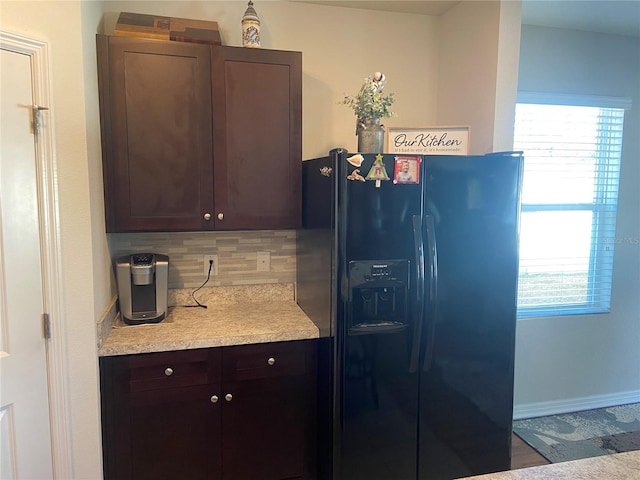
370	136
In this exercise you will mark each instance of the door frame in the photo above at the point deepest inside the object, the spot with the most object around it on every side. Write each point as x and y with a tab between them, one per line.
48	205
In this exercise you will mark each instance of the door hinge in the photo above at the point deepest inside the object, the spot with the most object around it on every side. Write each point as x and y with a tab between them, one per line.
46	325
37	118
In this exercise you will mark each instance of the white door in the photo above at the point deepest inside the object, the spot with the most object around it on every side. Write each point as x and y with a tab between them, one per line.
25	438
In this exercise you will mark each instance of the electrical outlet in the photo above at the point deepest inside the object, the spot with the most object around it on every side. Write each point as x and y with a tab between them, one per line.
264	261
214	267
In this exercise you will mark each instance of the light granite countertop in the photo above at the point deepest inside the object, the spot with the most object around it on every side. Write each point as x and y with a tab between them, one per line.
234	316
619	466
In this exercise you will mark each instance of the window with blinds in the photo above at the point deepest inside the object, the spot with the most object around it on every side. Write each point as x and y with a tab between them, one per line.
572	147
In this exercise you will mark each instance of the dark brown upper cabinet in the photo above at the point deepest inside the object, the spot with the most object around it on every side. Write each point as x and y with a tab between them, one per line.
199	137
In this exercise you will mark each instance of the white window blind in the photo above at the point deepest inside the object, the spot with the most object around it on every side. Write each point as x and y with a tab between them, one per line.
572	147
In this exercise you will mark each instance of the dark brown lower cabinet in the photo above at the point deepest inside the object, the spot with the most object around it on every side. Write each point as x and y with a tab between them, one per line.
228	413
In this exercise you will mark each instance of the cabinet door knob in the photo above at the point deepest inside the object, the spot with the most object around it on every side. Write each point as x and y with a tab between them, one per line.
168	371
207	216
221	216
228	397
271	361
214	399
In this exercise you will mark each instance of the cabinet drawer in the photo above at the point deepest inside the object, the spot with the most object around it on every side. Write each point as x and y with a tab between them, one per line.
268	360
172	369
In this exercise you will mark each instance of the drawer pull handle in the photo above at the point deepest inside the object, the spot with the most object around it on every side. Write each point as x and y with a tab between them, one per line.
221	216
271	361
168	371
214	399
207	216
228	397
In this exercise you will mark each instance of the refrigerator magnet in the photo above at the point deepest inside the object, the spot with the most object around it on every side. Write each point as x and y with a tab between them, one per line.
406	170
326	171
355	175
355	160
378	171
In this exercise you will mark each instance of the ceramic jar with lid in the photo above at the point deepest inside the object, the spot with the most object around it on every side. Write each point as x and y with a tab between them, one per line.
250	28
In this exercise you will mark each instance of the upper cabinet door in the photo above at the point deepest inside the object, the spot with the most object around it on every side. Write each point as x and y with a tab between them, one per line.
155	100
257	105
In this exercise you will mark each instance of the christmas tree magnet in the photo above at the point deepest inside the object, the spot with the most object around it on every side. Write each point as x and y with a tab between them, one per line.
378	171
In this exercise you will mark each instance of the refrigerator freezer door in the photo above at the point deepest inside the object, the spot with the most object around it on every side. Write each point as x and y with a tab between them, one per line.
378	392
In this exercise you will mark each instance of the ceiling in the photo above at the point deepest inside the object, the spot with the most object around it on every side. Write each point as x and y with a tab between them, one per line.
620	17
604	16
417	7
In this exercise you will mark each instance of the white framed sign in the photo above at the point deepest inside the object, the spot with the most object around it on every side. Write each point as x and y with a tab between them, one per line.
445	140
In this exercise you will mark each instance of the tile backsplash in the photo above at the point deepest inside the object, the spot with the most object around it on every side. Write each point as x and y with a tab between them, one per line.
237	255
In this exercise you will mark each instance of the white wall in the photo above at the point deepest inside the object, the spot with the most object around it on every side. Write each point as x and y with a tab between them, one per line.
60	25
571	362
103	276
507	77
477	71
467	70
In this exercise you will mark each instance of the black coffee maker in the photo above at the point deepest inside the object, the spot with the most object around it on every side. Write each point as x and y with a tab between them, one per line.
142	287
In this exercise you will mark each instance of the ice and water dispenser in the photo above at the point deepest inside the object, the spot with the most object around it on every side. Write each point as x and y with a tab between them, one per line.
378	296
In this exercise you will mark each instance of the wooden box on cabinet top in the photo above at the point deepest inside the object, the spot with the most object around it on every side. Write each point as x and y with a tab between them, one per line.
229	413
199	137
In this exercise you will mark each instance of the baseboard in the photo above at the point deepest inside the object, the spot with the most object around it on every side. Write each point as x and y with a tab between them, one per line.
540	409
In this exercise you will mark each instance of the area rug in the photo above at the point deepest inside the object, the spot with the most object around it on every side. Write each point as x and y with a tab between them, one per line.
589	433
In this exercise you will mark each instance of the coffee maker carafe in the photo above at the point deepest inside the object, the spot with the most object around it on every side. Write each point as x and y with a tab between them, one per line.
142	287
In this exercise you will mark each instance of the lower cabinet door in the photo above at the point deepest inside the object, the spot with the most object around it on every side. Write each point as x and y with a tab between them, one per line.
268	422
160	419
175	434
265	429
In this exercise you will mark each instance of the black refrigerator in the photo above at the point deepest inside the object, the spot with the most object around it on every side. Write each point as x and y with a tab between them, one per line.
408	265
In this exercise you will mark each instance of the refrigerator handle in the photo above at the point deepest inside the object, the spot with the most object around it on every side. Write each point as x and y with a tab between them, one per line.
418	318
432	262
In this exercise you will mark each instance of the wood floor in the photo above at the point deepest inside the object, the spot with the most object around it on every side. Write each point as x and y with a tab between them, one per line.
523	456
